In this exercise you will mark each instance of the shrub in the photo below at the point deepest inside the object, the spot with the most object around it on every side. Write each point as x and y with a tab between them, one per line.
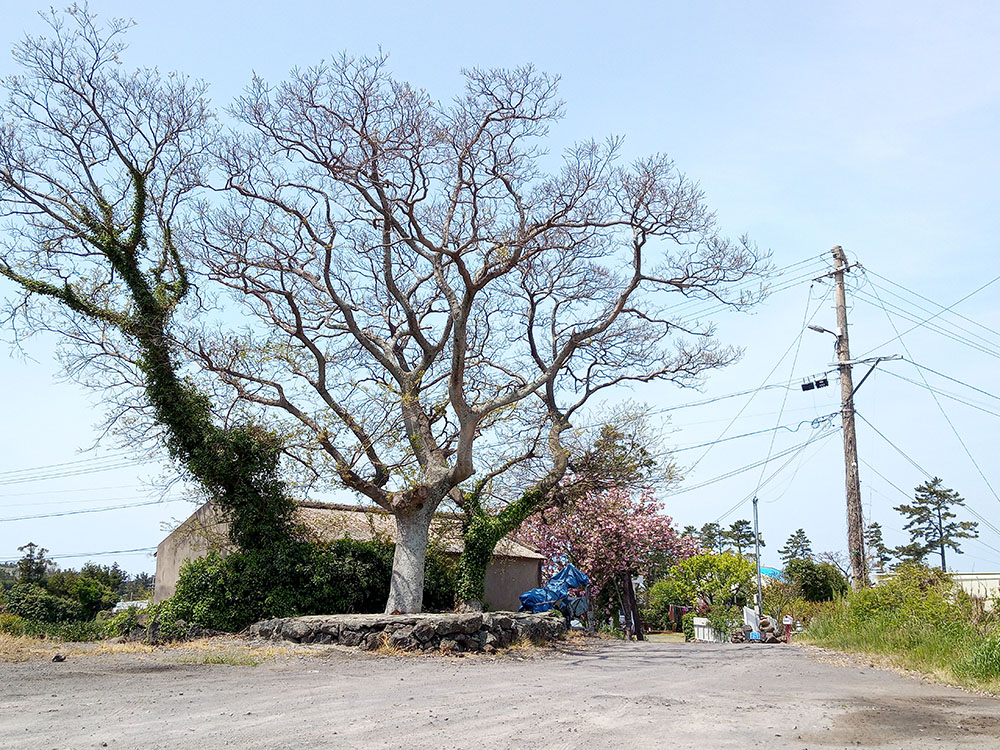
918	619
818	582
12	624
124	622
344	576
687	625
32	602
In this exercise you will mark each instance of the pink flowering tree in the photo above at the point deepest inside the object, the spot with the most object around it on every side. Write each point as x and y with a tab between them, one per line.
607	535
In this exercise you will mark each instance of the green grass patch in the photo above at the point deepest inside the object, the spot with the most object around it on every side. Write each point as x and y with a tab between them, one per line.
919	621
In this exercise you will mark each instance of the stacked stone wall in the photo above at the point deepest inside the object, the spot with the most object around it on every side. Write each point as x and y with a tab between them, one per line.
484	632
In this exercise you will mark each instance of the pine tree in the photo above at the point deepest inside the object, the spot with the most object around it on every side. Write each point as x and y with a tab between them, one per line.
740	536
878	554
798	547
711	537
32	567
930	521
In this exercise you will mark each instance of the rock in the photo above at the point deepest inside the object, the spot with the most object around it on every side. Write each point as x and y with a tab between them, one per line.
59	657
350	637
296	629
400	636
472	631
498	621
424	630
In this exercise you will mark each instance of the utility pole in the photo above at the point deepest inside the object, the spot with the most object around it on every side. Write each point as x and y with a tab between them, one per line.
756	541
855	522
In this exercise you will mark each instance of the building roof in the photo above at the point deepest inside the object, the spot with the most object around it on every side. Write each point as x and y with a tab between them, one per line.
328	521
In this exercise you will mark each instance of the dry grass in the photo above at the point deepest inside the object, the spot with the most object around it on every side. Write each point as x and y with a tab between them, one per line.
15	648
219	650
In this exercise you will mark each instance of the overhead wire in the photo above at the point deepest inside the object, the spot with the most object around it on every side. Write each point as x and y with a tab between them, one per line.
748	467
953	380
814	422
784	399
994	331
985	521
907	495
794	344
945	322
943	310
794	450
944	414
64	556
943	393
82	511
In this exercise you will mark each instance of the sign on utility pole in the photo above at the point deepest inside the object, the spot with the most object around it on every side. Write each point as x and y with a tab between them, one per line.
855	522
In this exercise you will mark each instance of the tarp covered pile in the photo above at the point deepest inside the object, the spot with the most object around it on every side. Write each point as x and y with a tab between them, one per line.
555	594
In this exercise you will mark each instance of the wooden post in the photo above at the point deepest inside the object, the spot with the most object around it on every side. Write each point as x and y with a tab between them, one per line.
855	521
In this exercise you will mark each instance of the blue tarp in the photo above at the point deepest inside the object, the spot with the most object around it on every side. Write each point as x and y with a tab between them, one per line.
572	575
555	593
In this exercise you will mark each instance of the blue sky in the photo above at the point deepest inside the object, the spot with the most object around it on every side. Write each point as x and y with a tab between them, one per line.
872	126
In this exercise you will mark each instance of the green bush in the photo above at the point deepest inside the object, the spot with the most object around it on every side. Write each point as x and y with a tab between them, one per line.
32	602
344	576
818	582
918	619
124	622
12	624
687	625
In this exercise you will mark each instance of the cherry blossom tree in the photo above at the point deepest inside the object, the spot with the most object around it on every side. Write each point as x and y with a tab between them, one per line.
608	534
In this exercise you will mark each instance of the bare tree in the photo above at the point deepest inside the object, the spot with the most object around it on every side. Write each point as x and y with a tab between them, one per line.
97	169
431	304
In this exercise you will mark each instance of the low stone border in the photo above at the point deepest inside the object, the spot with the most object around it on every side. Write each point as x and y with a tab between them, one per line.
485	632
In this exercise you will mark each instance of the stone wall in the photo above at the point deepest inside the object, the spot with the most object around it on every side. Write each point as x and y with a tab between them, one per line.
485	632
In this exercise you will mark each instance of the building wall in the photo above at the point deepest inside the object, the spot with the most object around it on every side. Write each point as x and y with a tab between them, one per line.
194	538
509	577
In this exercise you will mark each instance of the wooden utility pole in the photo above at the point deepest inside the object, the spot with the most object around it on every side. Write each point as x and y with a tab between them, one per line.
855	522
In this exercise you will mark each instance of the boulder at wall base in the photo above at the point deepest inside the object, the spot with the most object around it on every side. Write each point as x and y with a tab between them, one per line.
447	632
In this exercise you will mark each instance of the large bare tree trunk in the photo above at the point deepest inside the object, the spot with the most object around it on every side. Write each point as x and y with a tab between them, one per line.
406	591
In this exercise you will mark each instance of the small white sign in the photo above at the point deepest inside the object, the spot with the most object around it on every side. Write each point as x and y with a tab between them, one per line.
787	620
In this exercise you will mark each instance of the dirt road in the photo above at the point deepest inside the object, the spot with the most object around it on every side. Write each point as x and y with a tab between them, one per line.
612	695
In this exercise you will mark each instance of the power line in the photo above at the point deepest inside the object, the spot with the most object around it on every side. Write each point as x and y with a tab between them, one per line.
46	467
938	402
784	398
899	335
953	380
794	343
71	489
947	324
749	467
795	451
943	393
93	554
814	422
907	495
87	510
913	318
986	522
74	473
936	304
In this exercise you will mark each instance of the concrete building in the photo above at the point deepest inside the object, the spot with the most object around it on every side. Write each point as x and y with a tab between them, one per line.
515	569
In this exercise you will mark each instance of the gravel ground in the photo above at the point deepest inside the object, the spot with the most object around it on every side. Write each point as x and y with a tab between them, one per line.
604	694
